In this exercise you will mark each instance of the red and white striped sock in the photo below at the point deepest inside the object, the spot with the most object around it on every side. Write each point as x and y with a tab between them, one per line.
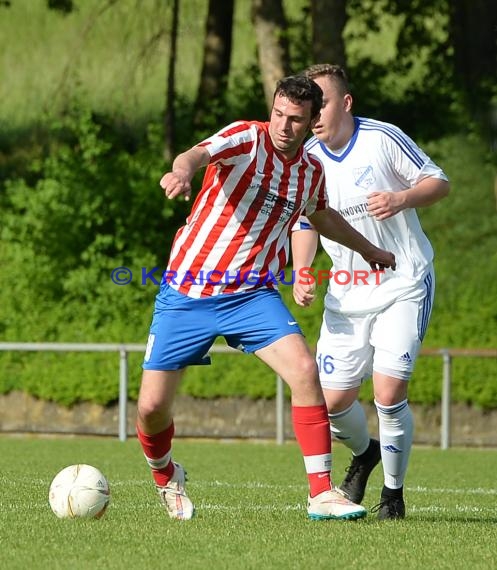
157	450
312	430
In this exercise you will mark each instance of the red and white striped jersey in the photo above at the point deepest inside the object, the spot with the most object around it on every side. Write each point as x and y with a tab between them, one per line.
236	236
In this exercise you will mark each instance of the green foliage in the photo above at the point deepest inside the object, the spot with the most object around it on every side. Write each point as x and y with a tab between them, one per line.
80	161
400	65
463	230
63	6
227	377
95	206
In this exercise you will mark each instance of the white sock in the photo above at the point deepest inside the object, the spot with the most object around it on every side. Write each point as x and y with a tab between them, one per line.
351	428
396	429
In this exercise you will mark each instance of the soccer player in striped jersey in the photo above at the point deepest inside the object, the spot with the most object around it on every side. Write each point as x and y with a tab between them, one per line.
376	177
259	180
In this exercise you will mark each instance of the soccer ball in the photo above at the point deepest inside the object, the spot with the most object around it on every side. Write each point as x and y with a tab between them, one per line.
79	491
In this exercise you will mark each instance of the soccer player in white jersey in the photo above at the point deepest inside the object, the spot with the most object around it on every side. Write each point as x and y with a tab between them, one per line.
219	282
376	177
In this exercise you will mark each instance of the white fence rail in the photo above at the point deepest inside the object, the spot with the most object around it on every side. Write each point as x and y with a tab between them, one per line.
447	355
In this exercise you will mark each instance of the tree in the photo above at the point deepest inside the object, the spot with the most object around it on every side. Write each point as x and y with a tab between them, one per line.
169	113
216	64
328	22
443	48
64	6
270	26
473	26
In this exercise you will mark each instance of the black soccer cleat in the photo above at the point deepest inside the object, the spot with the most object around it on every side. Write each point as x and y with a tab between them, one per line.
390	508
354	485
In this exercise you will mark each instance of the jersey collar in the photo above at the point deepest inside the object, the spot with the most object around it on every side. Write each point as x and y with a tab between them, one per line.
349	146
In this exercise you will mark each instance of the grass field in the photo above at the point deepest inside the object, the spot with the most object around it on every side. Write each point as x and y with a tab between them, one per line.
250	500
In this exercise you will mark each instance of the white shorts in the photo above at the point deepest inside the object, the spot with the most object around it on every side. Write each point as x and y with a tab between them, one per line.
350	348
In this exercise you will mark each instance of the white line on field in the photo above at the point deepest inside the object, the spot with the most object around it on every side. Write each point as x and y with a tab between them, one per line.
251	507
256	485
301	507
195	483
468	491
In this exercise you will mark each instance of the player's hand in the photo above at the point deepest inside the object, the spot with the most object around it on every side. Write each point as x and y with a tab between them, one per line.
384	205
176	184
304	291
380	259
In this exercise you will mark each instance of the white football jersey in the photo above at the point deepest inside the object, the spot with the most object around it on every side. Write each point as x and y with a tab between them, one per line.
379	157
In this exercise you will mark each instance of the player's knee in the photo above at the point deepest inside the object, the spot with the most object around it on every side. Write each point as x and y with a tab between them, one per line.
150	411
390	391
390	397
302	375
304	383
388	402
307	370
338	401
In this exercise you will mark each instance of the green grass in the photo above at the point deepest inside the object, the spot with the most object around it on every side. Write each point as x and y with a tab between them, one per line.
250	511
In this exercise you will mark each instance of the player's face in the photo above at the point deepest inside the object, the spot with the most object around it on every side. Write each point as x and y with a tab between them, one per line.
289	125
333	128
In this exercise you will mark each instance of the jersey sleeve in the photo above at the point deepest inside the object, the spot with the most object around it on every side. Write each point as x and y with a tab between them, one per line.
232	141
410	163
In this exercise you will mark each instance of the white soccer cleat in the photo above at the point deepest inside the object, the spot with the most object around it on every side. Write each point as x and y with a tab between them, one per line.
173	496
333	505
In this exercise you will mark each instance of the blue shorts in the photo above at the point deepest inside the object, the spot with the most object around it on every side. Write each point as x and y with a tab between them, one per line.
183	328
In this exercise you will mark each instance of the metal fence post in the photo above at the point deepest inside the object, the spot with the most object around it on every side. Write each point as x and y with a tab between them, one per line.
123	394
125	348
280	411
446	399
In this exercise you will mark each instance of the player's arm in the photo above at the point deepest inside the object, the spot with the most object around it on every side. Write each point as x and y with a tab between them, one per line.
178	181
332	225
428	191
304	246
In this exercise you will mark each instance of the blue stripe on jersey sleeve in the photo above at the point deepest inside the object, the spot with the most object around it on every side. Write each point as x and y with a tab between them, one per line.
305	226
312	142
302	224
397	136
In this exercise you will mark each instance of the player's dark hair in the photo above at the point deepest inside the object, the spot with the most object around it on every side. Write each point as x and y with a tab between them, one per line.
299	88
334	72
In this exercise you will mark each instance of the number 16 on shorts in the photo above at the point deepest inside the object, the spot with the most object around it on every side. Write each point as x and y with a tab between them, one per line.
325	363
